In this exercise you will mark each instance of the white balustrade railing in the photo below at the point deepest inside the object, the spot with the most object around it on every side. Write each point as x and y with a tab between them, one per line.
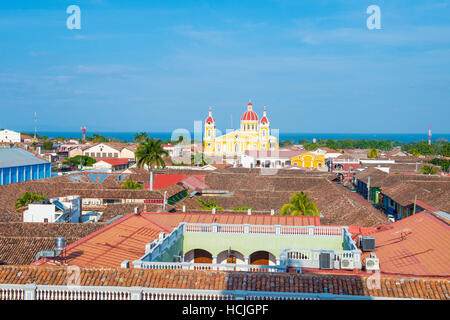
49	292
208	266
264	229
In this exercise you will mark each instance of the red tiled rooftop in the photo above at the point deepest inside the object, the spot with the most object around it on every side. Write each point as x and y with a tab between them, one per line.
223	280
414	246
125	239
113	161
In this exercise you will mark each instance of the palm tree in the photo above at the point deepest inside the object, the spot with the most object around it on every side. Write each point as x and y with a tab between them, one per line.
151	153
130	184
139	137
299	205
373	153
27	198
428	170
179	139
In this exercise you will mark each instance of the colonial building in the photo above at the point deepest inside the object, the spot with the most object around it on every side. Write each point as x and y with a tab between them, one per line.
254	134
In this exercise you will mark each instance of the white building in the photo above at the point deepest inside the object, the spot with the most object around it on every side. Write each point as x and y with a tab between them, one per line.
327	153
111	150
9	136
63	209
111	165
267	159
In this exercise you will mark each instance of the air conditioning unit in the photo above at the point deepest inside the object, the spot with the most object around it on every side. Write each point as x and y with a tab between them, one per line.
325	260
347	263
372	264
367	243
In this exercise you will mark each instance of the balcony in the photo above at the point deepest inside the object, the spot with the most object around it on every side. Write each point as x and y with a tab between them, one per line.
252	248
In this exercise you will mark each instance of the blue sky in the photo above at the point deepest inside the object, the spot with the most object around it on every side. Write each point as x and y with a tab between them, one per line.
159	65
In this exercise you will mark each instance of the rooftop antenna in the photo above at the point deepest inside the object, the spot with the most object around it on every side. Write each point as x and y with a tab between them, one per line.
35	125
429	134
83	129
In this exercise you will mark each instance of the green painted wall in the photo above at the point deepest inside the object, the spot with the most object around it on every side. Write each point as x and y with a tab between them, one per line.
249	243
171	252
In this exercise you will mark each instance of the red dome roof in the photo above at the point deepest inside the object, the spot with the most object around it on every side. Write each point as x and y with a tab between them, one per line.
264	118
249	114
210	119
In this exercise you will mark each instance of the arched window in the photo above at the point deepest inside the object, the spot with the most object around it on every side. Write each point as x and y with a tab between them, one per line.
236	147
209	133
264	133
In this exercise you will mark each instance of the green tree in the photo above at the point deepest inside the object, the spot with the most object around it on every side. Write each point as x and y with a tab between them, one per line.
47	145
373	153
85	161
445	150
150	153
139	137
96	138
428	170
130	184
310	146
414	152
299	205
243	208
209	204
27	198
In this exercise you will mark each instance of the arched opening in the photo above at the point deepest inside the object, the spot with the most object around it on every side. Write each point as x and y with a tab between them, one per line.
236	147
202	256
262	258
230	256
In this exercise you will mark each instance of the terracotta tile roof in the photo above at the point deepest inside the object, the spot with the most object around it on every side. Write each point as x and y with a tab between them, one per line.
125	238
121	240
114	161
165	180
338	205
20	242
414	246
221	280
435	193
23	250
172	220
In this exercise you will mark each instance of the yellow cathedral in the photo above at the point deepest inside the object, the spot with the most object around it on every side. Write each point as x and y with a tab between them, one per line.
254	134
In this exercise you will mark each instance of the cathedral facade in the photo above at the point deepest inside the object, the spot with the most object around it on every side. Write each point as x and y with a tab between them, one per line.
254	134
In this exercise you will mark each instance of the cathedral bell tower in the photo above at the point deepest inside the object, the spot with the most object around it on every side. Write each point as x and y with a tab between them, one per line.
264	132
210	133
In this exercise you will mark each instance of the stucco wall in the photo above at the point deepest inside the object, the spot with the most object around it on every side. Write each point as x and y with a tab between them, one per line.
249	243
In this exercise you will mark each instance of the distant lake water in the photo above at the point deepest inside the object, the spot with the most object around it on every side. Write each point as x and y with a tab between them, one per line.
402	137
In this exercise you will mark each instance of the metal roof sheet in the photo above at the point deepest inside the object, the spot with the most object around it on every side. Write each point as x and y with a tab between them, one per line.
14	157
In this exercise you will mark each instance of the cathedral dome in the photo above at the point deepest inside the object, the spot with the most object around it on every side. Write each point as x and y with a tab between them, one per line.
249	115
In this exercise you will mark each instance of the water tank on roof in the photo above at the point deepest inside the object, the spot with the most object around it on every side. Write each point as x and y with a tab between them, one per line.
60	243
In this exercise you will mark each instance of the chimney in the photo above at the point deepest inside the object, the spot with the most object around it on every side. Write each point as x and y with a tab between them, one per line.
151	180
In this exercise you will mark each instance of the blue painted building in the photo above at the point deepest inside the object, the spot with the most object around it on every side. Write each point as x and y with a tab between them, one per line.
17	165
